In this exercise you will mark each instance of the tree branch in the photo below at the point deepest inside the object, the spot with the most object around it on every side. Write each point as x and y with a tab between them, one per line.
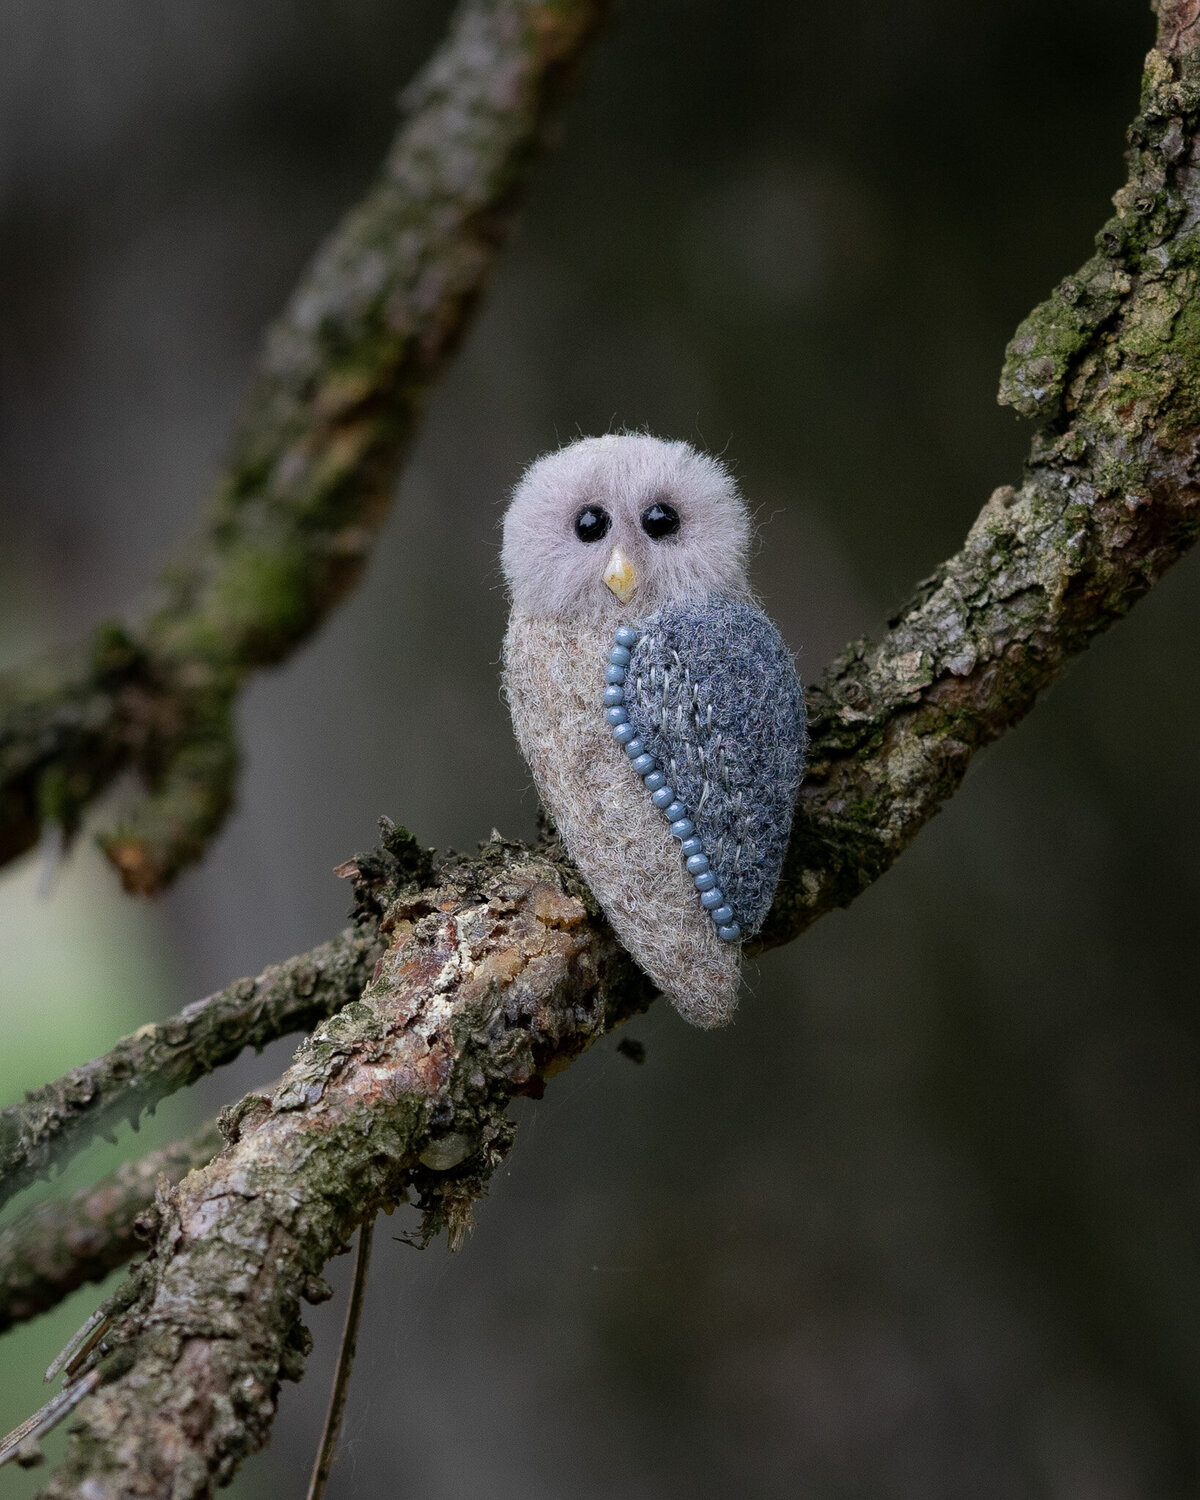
496	977
337	399
1109	367
56	1121
327	1452
502	972
60	1244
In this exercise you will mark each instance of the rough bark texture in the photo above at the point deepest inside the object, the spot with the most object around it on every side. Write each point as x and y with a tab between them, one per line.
1109	367
54	1122
337	399
57	1246
495	978
501	971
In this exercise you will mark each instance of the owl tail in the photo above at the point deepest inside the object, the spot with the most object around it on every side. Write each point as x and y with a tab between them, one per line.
705	990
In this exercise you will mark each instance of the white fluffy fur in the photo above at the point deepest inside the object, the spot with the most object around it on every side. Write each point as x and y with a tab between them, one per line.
554	678
551	574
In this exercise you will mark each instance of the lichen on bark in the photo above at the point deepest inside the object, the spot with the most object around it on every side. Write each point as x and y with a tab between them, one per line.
60	1244
1109	368
494	978
41	1134
499	971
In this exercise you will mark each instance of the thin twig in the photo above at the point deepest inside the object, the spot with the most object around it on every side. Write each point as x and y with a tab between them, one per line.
79	1345
44	1420
90	1351
345	1363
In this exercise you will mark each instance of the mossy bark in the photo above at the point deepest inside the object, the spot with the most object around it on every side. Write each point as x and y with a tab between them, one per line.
1109	368
494	979
500	971
338	397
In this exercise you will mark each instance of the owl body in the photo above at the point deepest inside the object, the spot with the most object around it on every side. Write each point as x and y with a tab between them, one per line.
554	681
657	706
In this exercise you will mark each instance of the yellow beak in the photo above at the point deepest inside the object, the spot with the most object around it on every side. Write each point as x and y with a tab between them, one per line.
620	576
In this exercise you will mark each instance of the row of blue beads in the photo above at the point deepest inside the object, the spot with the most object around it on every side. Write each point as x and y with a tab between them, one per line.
661	794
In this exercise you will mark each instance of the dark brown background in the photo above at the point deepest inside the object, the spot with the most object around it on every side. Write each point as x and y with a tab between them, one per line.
923	1224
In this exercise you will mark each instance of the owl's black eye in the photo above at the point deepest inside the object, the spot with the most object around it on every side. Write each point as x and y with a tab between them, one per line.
592	523
659	520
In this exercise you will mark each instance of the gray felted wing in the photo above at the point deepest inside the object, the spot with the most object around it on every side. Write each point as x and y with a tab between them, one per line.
713	693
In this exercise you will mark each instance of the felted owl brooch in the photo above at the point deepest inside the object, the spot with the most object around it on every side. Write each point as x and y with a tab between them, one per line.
657	706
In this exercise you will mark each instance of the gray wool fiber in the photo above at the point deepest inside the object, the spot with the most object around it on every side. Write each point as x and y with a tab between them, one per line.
710	688
553	679
713	693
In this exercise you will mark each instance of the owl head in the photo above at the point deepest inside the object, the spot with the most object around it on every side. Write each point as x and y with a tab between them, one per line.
615	527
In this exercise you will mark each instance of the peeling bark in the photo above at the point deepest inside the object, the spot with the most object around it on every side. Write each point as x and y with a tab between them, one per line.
495	978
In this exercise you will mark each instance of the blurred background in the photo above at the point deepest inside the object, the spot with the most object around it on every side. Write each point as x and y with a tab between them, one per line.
924	1222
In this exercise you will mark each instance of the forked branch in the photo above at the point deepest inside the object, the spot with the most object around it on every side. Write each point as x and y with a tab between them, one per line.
501	971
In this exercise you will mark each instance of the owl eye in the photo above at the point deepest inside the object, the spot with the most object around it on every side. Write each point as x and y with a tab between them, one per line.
592	523
659	520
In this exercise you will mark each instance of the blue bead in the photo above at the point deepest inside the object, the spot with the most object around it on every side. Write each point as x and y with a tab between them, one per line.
710	900
642	764
623	733
705	880
624	636
729	933
697	863
722	916
683	829
616	715
633	748
675	811
663	797
613	696
655	781
692	846
619	656
615	675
